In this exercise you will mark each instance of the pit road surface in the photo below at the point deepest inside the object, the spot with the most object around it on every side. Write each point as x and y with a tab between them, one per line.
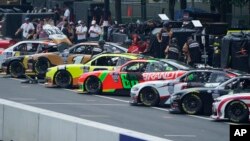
116	111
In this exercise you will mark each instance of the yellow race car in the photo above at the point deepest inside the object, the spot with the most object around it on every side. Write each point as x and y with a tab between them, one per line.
66	76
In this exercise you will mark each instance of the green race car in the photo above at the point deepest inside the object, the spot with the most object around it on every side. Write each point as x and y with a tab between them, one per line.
66	76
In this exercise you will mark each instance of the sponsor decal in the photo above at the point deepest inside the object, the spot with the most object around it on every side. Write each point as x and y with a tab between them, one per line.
159	76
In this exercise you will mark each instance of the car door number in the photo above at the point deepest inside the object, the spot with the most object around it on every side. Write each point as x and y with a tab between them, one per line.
128	83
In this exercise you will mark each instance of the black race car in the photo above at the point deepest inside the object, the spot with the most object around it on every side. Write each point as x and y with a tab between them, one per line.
199	100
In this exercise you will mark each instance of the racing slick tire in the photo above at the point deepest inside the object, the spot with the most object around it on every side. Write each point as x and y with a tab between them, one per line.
41	66
149	97
237	111
191	104
93	85
63	79
16	69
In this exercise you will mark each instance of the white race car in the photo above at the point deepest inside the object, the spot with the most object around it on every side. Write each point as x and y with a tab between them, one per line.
155	93
234	107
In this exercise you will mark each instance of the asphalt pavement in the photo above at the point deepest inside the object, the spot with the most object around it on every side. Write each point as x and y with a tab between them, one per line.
116	111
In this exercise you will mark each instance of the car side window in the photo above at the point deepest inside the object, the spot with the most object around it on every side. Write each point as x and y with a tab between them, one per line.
135	67
112	48
244	84
34	47
217	78
122	60
155	67
21	47
105	61
232	85
80	49
196	77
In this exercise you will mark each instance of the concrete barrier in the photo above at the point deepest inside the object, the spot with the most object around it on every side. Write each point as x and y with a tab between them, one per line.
19	122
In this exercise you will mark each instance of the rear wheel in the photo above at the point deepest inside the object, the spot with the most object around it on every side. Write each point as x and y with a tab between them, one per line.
237	111
149	97
16	69
93	85
41	66
63	79
191	104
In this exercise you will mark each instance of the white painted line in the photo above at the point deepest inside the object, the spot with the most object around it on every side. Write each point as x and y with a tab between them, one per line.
167	117
17	79
22	99
47	103
200	117
191	136
102	116
90	100
115	99
162	109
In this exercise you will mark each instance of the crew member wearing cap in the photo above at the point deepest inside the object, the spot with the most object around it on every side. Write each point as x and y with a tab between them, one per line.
27	27
81	31
94	31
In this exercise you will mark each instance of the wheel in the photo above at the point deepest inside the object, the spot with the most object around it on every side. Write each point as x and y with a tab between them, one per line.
149	97
63	79
191	104
93	85
16	69
237	111
41	66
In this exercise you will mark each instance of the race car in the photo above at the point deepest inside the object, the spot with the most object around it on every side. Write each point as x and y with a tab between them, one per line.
6	42
24	48
199	100
155	93
121	80
233	107
78	54
29	47
66	76
15	58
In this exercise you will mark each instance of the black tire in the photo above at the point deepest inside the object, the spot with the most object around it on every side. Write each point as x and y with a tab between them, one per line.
237	111
63	79
93	85
16	69
191	104
41	66
149	97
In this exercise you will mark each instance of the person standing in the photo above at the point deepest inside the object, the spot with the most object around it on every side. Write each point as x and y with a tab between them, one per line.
172	50
66	14
94	31
81	32
192	52
27	28
41	34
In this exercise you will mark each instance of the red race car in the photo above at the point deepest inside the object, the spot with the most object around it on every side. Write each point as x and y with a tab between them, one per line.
6	42
121	80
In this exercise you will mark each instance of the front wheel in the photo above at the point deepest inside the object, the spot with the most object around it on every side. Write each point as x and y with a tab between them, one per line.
149	97
191	104
93	85
41	66
63	79
16	69
237	111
